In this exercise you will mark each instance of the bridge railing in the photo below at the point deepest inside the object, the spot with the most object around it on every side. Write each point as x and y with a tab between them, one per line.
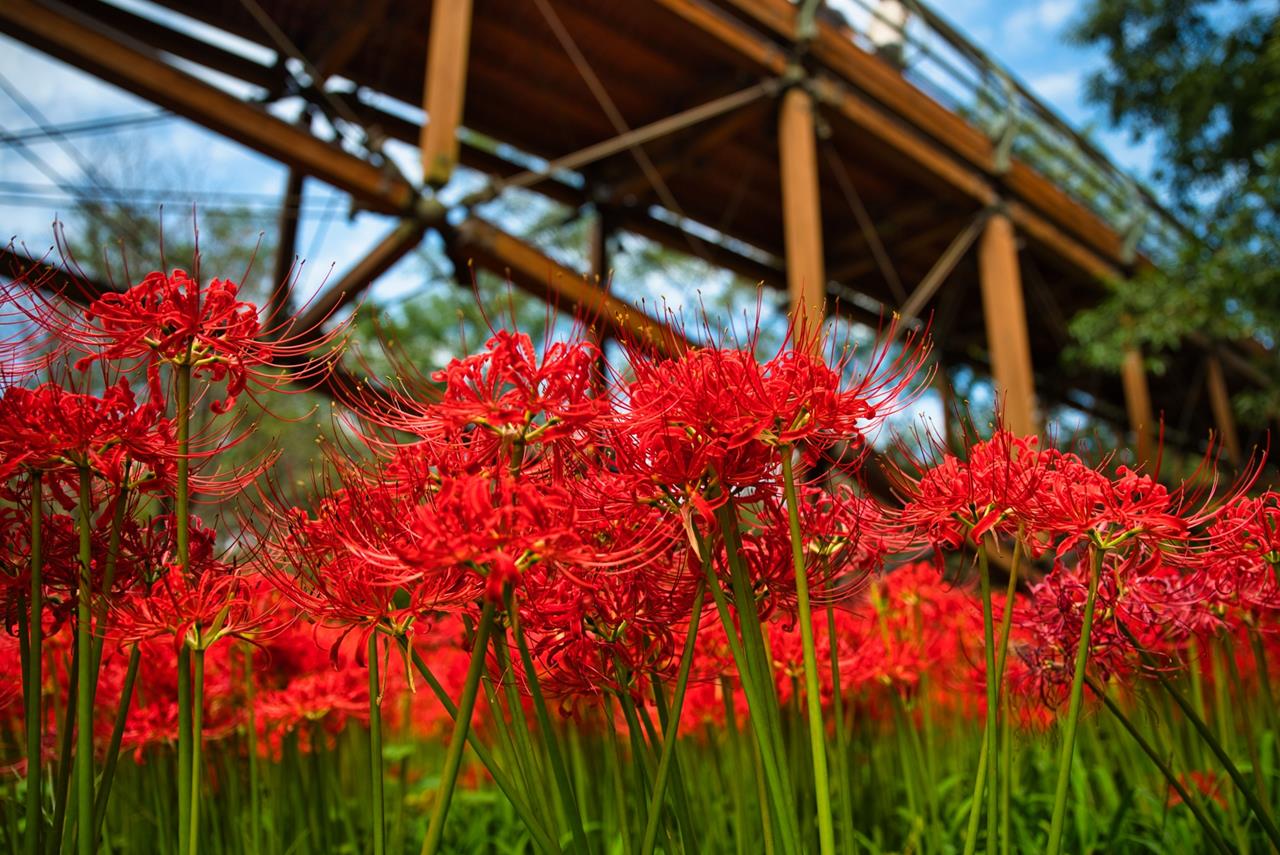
938	59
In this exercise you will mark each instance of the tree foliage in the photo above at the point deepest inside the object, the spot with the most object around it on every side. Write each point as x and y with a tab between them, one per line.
1201	77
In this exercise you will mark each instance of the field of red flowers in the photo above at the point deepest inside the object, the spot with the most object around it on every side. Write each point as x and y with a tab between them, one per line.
540	603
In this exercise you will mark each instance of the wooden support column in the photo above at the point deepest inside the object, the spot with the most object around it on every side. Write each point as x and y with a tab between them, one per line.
1137	400
286	244
1220	403
445	88
1006	321
801	211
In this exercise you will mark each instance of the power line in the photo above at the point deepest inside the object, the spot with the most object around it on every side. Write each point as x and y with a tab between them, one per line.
85	128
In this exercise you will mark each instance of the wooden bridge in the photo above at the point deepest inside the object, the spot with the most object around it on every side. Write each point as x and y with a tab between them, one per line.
770	139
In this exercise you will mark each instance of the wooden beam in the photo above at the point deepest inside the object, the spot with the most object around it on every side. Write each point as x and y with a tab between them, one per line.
136	68
766	55
178	44
400	242
1006	322
1220	403
532	271
801	210
1137	401
51	278
445	88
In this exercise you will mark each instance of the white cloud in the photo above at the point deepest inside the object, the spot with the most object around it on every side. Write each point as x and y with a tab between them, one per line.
1038	20
1060	88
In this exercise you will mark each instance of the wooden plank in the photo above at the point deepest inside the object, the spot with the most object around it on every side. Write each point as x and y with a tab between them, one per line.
1137	401
117	59
445	88
1006	322
182	45
1223	416
729	32
801	211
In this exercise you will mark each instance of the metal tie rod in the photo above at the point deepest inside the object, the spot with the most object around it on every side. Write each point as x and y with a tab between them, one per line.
641	135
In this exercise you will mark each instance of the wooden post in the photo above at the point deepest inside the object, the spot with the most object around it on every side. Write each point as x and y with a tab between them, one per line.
801	212
286	245
1006	321
1220	403
445	88
1137	400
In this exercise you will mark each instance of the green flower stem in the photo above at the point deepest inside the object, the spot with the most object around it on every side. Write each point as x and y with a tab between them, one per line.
109	576
746	677
993	699
66	753
84	688
375	747
1207	737
813	698
673	725
1157	757
762	698
461	726
500	778
559	770
197	746
1057	824
975	806
184	748
528	765
842	734
255	795
35	677
622	819
113	748
182	537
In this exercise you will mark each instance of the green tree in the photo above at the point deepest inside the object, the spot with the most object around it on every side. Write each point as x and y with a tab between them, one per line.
1201	77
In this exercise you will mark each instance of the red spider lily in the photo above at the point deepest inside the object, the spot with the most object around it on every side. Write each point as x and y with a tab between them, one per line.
319	564
1240	564
198	607
914	630
492	524
50	428
993	490
591	627
1077	501
1208	784
169	318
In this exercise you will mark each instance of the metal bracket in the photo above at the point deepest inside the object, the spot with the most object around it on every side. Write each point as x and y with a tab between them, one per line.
1007	130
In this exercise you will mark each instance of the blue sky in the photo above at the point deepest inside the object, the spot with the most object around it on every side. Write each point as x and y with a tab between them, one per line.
1024	34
